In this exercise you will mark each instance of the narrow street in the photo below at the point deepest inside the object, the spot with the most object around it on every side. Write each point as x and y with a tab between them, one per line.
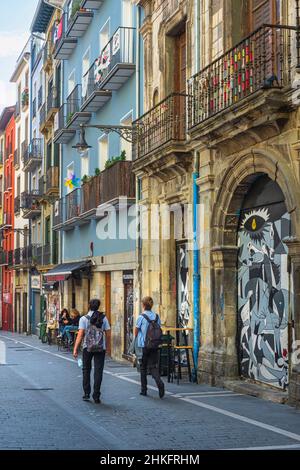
41	408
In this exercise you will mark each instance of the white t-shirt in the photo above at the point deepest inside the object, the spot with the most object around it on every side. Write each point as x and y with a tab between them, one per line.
84	323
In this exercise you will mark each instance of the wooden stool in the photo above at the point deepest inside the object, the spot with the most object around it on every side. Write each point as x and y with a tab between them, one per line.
177	353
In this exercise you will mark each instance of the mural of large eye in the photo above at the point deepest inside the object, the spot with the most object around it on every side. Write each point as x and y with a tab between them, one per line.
254	223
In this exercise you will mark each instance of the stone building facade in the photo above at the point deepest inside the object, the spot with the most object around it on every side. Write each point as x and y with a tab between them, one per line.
242	143
163	159
243	122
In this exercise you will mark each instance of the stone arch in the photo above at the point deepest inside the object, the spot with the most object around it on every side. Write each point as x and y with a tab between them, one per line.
234	184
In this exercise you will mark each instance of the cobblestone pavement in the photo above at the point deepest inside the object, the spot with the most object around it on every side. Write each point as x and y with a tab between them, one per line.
189	417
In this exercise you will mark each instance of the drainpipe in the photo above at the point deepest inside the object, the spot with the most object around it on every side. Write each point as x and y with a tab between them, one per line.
196	266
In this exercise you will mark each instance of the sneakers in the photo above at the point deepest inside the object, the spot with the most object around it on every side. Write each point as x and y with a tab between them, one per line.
86	397
144	394
96	400
161	390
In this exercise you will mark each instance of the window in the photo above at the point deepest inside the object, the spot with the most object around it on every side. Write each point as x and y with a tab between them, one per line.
84	164
47	231
38	235
104	35
85	68
217	28
34	183
127	17
126	146
71	82
70	173
18	185
34	238
102	151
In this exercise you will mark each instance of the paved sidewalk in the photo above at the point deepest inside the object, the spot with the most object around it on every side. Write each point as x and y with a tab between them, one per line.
189	417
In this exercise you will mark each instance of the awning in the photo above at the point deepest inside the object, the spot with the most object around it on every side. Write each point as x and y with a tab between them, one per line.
62	271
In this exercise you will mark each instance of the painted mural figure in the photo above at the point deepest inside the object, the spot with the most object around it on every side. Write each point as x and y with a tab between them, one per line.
263	294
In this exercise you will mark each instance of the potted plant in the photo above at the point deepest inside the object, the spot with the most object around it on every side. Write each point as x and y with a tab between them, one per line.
113	160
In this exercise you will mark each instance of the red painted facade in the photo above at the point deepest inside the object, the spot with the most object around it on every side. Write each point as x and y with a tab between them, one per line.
8	227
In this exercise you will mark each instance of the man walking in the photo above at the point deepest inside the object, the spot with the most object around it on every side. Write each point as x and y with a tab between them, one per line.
92	328
148	333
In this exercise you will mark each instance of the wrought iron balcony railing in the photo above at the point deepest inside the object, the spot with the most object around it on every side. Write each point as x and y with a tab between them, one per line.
73	103
41	186
51	100
16	158
43	115
7	220
24	150
40	97
115	64
18	256
59	212
263	60
63	45
47	53
163	124
17	204
30	201
33	156
34	108
10	258
73	203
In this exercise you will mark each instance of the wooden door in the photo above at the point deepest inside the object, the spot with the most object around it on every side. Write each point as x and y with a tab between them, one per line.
180	85
180	63
267	40
263	12
108	309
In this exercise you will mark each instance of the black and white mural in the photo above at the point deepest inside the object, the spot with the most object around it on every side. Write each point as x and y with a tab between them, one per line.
263	285
183	286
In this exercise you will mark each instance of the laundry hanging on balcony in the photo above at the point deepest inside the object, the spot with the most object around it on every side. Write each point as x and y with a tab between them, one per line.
116	42
101	64
58	31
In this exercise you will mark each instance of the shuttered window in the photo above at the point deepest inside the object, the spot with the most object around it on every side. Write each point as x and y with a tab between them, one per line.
264	12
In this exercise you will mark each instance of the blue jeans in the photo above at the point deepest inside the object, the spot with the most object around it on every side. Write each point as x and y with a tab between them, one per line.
68	330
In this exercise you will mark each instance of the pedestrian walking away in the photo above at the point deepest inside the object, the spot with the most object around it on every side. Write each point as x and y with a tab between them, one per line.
148	335
92	328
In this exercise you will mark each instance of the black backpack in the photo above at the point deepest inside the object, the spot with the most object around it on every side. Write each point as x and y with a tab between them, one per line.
154	333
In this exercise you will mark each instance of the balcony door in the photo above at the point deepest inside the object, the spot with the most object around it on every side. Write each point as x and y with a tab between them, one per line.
267	40
264	12
180	77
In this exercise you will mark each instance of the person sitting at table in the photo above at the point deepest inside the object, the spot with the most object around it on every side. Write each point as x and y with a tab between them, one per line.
72	327
64	320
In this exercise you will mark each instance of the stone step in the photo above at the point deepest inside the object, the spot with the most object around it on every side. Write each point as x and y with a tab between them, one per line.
246	387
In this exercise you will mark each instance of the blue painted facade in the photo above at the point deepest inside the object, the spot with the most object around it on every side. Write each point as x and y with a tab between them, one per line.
76	242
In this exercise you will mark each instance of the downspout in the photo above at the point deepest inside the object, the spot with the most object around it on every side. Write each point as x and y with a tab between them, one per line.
196	266
29	281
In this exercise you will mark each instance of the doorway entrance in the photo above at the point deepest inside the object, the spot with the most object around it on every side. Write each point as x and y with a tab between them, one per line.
263	284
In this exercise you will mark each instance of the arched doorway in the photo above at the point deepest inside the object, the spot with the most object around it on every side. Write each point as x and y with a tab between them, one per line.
263	284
